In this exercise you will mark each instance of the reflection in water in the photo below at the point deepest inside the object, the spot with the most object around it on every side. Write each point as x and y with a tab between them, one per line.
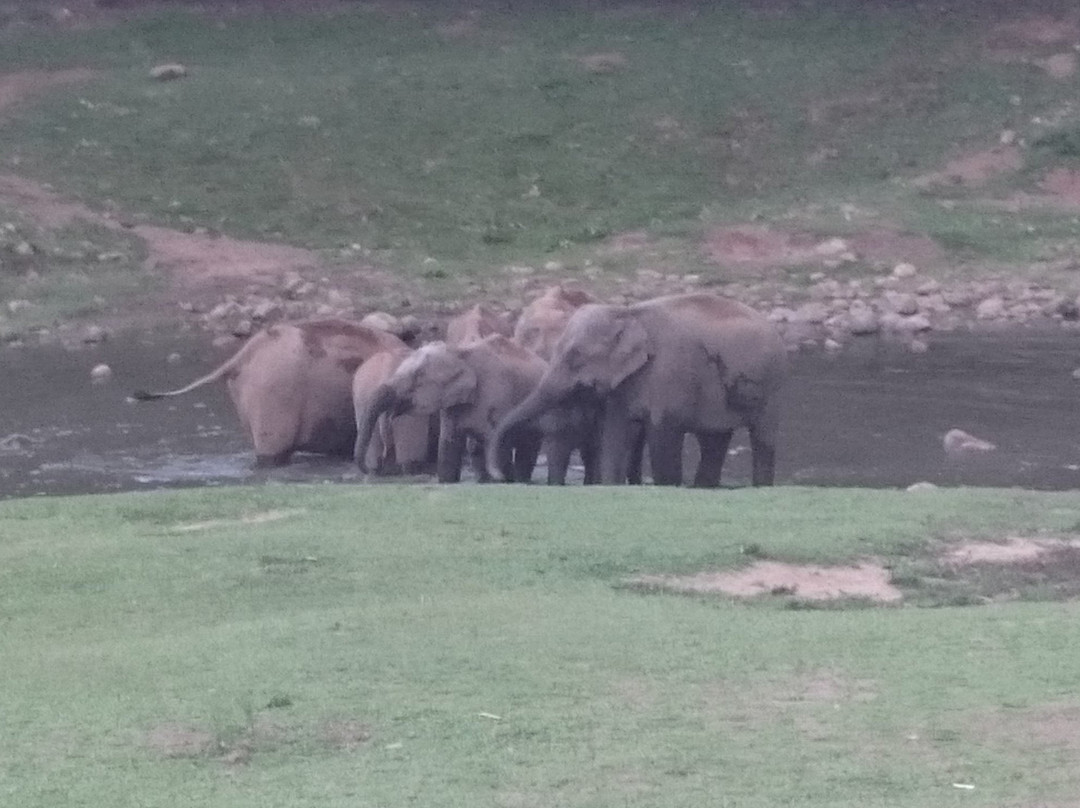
874	416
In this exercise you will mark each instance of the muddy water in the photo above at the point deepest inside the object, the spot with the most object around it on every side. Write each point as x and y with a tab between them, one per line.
874	416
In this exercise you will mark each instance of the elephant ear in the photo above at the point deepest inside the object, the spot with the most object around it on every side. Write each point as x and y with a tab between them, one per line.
460	385
631	350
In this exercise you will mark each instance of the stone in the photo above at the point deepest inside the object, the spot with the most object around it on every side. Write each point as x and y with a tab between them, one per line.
781	314
862	320
94	333
173	359
265	310
168	72
928	287
918	346
904	270
957	441
810	313
382	321
100	373
922	485
902	303
992	308
832	248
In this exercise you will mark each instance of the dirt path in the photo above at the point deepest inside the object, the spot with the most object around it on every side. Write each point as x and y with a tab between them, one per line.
193	262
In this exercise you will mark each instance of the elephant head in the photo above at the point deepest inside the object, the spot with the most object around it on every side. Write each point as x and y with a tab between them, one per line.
601	347
431	379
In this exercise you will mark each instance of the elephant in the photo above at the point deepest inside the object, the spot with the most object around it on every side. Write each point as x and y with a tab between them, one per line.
402	444
471	387
695	363
542	321
291	385
475	324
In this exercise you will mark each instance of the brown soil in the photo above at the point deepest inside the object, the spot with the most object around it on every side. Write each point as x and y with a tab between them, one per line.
810	582
1015	550
14	87
975	169
179	740
345	734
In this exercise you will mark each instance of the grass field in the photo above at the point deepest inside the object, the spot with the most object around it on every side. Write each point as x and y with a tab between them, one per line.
387	645
447	141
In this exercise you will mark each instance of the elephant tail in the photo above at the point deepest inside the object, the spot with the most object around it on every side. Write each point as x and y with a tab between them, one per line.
224	370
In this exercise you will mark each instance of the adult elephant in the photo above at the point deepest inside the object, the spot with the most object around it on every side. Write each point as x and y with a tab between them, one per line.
291	385
542	321
400	444
471	387
694	363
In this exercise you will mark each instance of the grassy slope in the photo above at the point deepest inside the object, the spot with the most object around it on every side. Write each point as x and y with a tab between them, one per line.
497	145
406	613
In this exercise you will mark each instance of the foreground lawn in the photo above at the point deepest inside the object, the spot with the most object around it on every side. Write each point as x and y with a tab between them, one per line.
437	646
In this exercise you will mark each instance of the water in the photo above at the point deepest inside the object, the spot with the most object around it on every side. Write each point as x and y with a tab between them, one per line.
873	416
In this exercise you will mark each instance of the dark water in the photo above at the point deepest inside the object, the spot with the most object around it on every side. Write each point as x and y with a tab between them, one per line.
874	416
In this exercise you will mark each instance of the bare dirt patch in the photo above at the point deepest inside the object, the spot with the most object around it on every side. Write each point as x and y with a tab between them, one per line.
345	734
1011	551
1047	728
866	580
975	168
1063	184
174	740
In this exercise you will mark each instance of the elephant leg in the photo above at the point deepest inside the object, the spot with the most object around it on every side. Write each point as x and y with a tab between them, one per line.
590	459
526	451
614	437
665	453
637	454
558	448
714	447
478	459
451	452
764	463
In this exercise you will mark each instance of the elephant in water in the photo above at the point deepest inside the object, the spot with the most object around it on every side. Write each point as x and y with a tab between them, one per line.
291	385
684	363
471	387
401	444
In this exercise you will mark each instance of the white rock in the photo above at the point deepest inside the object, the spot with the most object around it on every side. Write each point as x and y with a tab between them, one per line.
902	303
917	346
100	373
166	72
382	321
1007	137
95	333
928	287
173	359
781	314
957	441
832	345
904	270
832	248
922	485
992	308
810	313
862	320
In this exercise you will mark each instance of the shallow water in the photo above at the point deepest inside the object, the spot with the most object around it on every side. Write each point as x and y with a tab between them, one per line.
874	416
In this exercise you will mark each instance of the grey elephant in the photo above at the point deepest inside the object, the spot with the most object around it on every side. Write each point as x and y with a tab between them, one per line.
696	363
400	444
291	385
471	387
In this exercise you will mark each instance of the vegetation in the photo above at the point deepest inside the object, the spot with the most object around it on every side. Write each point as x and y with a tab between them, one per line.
445	141
473	645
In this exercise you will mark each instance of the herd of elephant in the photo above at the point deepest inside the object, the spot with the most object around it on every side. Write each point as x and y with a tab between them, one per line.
607	381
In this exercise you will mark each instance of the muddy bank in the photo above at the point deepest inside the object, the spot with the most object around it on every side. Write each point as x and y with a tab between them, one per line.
874	415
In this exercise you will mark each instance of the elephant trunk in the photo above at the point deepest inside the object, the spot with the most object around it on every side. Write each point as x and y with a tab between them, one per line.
382	401
508	432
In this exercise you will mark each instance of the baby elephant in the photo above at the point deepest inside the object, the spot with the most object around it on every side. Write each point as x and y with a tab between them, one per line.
471	387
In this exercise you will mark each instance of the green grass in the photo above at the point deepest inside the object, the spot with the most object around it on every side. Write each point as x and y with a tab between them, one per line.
475	646
496	144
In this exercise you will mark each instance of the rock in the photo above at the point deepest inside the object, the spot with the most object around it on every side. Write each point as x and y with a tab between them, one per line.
832	248
904	270
957	441
17	305
24	249
95	333
902	303
382	321
224	341
922	485
917	346
168	72
810	313
554	266
934	304
831	345
266	310
100	373
173	359
993	308
16	442
781	314
1007	137
1068	309
862	320
338	298
928	287
242	328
